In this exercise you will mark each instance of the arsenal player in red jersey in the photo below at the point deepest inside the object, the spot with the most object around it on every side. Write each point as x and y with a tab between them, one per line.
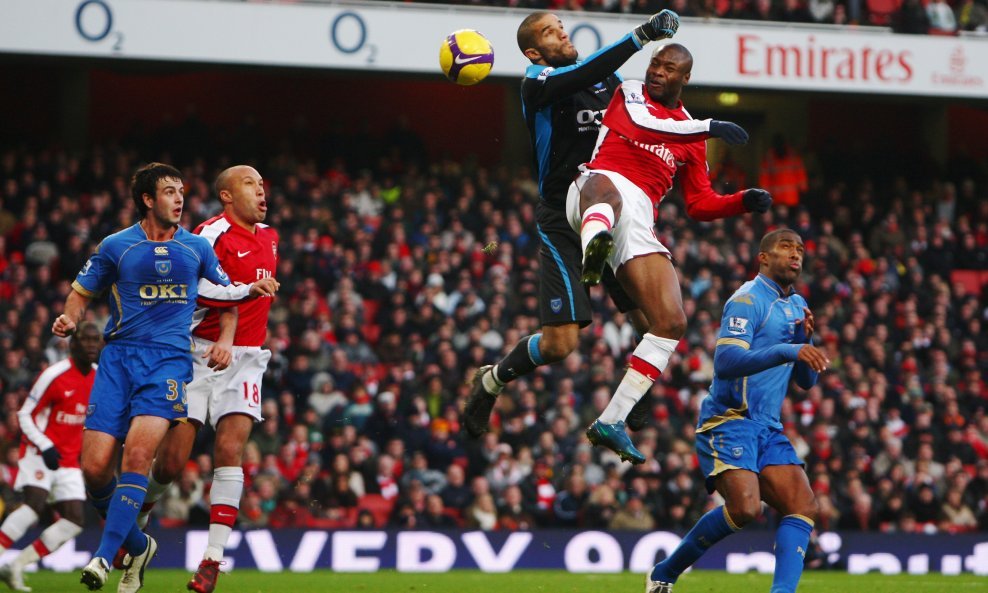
646	138
230	398
51	420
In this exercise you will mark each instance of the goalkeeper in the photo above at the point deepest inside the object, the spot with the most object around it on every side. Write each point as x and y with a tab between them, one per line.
563	101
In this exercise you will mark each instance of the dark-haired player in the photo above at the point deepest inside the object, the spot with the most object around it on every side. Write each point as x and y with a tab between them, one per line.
764	341
152	273
51	436
646	139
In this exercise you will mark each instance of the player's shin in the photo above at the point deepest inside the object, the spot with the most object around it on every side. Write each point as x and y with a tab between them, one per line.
121	517
524	358
598	218
16	525
648	361
791	540
100	497
710	529
225	493
156	490
50	540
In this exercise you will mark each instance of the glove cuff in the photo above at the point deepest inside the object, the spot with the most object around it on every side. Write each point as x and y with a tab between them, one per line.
640	37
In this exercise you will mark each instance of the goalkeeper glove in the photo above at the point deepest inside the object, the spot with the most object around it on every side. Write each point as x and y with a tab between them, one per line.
51	457
662	25
728	131
756	200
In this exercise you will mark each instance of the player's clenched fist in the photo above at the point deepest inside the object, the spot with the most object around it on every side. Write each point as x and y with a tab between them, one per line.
662	25
63	326
814	357
264	287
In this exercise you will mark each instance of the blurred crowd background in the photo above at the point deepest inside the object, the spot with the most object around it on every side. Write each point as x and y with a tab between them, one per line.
933	17
389	303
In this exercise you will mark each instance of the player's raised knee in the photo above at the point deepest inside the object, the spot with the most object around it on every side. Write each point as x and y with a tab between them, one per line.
745	511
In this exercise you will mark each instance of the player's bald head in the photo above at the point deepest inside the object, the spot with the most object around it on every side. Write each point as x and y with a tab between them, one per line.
677	53
528	30
226	177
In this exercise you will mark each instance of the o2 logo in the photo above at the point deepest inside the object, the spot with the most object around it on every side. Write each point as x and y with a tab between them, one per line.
94	23
348	34
583	30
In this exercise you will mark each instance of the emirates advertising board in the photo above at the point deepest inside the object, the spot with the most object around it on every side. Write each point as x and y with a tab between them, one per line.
400	37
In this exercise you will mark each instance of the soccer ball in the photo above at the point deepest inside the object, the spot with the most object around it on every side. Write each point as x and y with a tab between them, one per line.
466	57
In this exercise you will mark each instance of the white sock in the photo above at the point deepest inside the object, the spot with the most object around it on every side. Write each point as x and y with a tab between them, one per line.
50	540
16	525
491	384
155	491
224	499
596	218
648	361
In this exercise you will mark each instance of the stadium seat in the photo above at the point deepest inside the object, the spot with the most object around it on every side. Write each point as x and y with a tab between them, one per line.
379	506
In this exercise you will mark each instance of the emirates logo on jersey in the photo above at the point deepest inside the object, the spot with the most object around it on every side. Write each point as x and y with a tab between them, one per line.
658	150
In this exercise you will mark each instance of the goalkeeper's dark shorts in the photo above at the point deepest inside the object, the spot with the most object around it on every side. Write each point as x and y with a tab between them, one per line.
562	297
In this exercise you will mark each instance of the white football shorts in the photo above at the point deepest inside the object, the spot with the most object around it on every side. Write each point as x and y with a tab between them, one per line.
234	390
65	483
634	233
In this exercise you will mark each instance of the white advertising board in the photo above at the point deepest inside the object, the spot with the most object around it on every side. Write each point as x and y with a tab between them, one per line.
389	37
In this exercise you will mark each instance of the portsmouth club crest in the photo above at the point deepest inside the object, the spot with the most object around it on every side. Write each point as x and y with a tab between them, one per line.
163	266
737	452
556	305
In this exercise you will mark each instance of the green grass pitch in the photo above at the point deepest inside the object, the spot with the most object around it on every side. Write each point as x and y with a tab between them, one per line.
520	581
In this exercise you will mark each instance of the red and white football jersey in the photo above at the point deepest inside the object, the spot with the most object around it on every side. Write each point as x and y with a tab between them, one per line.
246	257
649	144
55	410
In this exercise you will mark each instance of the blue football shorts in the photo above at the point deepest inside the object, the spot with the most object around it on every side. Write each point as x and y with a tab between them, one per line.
742	444
134	380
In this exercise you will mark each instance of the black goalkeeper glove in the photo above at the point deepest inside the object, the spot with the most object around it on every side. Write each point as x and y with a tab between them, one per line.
756	200
728	131
51	457
662	25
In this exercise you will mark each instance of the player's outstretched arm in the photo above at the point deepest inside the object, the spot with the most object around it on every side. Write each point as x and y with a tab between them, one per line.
264	287
557	83
728	131
75	306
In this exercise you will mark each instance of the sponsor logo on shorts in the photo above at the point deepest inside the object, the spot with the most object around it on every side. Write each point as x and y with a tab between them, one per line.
556	305
178	408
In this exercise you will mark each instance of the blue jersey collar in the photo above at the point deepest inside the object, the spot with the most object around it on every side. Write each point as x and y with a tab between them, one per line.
772	284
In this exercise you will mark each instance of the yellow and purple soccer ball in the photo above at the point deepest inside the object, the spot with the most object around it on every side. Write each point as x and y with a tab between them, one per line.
466	57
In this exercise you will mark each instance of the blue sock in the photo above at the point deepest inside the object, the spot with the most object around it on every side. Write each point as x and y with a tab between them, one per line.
710	529
100	497
121	517
791	540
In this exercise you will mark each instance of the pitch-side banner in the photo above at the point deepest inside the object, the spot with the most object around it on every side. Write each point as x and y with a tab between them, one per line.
388	37
573	551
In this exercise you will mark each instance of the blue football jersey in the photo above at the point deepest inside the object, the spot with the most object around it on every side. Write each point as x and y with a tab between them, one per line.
152	285
757	316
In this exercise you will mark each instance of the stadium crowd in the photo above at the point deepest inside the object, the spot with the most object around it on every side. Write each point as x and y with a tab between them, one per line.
389	302
934	17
